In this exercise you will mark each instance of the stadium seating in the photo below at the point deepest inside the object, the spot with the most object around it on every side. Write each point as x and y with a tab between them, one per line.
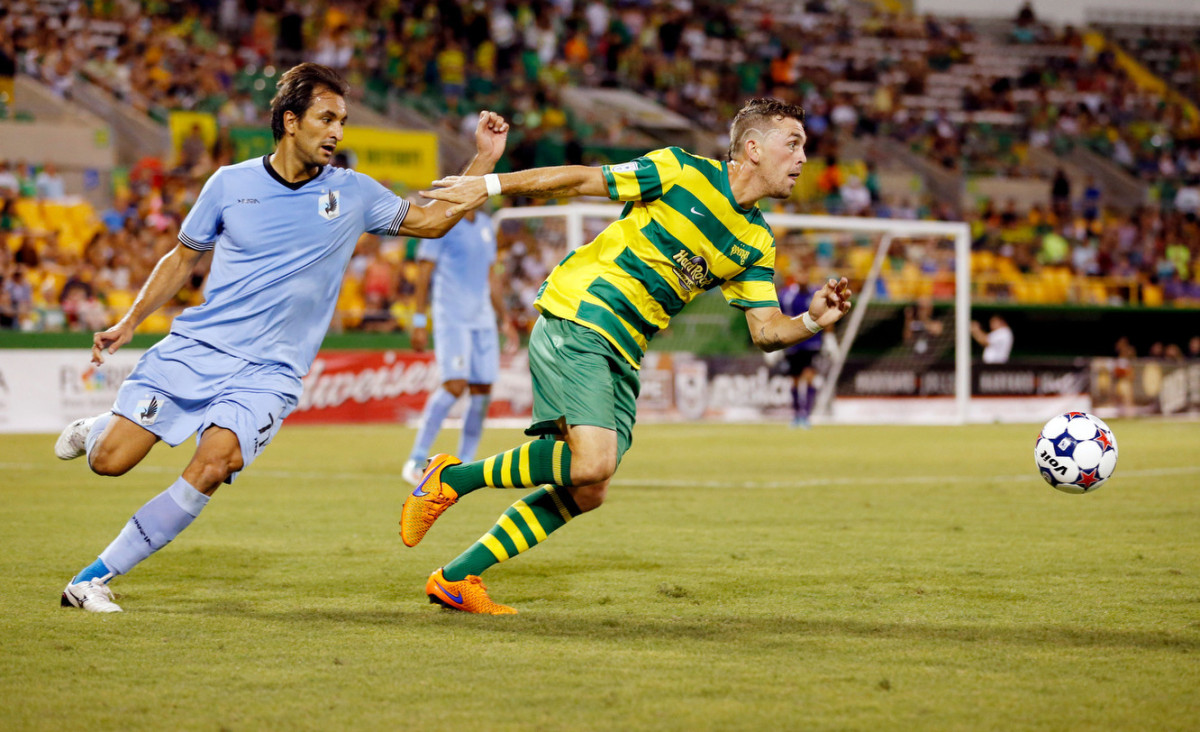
970	98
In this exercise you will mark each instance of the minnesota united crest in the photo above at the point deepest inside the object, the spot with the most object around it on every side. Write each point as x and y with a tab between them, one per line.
328	205
147	411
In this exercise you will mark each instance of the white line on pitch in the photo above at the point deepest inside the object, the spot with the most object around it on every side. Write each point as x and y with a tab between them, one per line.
684	483
675	482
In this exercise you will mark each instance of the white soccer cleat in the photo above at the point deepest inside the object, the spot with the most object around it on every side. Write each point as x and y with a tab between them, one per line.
73	441
93	596
413	471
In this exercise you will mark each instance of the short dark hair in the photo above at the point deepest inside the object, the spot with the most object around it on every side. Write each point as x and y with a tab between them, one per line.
756	113
295	90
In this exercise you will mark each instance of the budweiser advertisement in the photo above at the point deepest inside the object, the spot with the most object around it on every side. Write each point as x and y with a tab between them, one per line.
391	386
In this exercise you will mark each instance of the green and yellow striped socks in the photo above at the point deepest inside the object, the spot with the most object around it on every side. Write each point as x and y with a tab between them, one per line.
528	466
524	525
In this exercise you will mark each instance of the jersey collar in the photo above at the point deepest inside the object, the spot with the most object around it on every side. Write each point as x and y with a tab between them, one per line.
728	190
279	178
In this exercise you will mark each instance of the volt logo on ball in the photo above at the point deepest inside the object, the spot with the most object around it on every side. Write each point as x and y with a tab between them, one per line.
1076	452
1054	464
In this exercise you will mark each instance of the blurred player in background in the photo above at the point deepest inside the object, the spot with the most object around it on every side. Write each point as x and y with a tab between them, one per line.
690	225
281	230
800	359
997	342
467	301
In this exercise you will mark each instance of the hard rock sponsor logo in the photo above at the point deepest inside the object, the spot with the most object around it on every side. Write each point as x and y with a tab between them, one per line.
691	271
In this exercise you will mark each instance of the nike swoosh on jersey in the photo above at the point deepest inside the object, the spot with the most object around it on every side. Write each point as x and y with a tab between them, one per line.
698	213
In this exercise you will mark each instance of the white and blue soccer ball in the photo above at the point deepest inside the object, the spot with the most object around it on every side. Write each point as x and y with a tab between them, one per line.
1076	452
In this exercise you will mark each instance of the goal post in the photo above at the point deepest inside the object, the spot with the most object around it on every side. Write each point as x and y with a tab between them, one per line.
580	220
889	231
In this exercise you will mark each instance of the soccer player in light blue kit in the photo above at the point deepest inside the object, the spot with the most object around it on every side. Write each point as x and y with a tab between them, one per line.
281	230
467	301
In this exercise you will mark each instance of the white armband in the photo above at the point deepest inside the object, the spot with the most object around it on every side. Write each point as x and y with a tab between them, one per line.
809	323
492	181
419	320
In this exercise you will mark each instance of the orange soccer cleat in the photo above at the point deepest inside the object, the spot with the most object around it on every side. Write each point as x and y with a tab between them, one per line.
468	595
427	501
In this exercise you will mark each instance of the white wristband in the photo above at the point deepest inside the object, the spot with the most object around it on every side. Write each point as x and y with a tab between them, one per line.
419	320
492	181
810	323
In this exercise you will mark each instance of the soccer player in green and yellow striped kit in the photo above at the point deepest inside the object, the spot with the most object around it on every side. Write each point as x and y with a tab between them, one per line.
690	224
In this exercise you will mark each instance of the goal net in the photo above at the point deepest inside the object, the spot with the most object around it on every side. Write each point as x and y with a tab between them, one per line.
902	355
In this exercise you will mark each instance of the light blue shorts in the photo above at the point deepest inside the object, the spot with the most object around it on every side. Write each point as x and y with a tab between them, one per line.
466	353
181	387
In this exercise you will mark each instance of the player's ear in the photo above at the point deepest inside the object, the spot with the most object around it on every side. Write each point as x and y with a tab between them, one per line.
290	122
753	149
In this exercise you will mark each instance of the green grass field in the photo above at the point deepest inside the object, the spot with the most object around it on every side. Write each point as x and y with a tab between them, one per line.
739	577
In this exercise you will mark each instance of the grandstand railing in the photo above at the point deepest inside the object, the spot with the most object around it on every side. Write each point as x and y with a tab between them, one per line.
136	134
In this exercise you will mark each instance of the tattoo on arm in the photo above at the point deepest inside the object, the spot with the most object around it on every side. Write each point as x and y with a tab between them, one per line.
769	341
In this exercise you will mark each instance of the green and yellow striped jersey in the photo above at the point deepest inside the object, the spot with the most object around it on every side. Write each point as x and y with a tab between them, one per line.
681	233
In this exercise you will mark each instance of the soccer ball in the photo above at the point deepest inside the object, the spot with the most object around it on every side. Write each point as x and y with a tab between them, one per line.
1076	452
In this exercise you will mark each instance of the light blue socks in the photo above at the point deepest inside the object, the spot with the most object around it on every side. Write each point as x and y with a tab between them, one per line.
153	526
472	429
436	409
97	430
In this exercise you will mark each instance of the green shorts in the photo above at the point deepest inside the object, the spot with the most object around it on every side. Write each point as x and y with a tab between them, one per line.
579	376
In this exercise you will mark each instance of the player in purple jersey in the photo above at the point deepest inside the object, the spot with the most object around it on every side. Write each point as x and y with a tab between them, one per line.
281	230
800	359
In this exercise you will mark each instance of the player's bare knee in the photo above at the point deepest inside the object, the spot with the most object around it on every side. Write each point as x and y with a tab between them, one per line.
455	387
590	469
589	497
105	461
212	471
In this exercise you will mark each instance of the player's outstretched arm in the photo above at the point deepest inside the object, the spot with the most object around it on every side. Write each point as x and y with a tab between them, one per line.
466	192
168	277
771	330
434	219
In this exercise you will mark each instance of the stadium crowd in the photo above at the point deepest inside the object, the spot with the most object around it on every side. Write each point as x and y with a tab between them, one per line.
974	99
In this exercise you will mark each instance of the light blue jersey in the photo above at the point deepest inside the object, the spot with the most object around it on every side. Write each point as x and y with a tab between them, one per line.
461	294
280	251
466	342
